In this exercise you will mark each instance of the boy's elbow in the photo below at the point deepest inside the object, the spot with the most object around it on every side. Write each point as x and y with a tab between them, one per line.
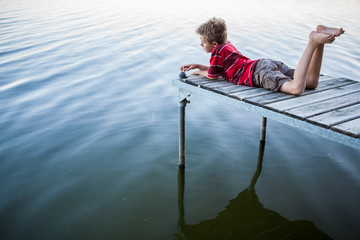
211	77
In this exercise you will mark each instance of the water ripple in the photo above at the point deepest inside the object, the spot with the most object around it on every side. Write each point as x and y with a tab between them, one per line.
89	119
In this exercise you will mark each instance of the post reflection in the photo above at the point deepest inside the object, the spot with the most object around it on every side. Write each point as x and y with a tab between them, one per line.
244	217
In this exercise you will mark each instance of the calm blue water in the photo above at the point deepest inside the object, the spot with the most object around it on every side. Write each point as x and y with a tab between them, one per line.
89	120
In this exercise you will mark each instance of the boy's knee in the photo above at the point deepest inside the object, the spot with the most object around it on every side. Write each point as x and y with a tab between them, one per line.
297	90
292	88
312	85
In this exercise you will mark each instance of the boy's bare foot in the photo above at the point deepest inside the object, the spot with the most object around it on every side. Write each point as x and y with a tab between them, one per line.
332	31
320	38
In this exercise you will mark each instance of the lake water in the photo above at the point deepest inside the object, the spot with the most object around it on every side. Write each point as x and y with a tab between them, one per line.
89	123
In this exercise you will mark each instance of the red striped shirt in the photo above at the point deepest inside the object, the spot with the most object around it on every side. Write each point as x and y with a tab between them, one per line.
228	62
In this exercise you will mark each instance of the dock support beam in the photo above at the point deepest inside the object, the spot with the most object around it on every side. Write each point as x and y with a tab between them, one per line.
183	100
182	106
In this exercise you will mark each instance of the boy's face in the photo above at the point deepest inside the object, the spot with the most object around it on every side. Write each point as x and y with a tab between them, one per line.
208	47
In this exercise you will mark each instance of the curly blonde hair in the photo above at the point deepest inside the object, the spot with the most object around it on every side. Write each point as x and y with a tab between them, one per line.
214	30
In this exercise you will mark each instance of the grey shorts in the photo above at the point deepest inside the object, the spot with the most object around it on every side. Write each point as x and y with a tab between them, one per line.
271	74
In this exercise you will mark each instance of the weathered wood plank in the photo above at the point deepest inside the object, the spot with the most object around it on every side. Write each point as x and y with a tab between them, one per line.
197	81
324	106
327	84
351	128
336	116
326	77
232	89
332	83
271	98
216	84
193	77
316	97
250	93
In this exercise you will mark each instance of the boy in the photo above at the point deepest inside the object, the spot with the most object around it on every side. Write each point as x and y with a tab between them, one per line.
228	62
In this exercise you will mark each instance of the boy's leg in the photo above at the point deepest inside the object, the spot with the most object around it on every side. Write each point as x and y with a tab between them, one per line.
298	84
313	75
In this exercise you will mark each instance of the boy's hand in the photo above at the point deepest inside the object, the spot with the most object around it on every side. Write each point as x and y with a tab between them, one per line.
188	67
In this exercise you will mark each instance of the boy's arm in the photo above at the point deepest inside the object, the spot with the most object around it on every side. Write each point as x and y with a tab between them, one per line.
201	70
203	73
192	66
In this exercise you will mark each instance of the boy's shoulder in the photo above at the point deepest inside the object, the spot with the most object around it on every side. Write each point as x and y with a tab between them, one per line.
226	48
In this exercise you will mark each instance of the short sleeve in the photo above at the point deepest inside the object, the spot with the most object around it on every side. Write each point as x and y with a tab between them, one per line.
216	66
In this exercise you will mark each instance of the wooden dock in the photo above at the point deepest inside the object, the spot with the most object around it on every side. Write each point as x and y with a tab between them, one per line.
331	111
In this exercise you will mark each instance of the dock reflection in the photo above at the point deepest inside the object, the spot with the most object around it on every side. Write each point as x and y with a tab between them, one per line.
244	217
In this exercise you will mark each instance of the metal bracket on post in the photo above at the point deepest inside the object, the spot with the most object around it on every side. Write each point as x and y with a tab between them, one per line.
183	95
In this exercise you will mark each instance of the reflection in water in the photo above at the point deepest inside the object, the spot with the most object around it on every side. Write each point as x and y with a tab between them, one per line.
245	217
